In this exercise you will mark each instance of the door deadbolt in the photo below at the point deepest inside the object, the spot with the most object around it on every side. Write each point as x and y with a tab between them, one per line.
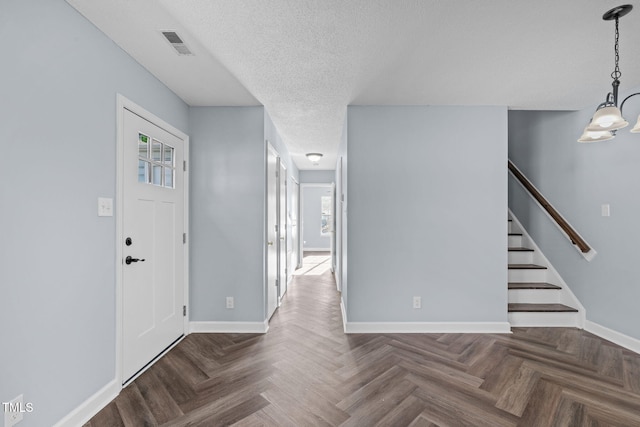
128	241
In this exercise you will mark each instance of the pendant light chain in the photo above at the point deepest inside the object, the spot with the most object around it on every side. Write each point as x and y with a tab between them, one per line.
608	118
616	74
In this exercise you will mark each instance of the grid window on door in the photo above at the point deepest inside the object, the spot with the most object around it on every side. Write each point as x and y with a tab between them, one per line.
156	162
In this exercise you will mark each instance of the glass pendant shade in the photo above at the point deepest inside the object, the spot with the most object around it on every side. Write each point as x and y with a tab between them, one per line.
595	136
606	119
636	128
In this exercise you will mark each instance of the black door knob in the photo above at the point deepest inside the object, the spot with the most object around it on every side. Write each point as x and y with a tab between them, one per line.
128	260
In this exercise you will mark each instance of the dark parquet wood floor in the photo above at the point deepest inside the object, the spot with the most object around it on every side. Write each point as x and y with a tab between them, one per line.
306	372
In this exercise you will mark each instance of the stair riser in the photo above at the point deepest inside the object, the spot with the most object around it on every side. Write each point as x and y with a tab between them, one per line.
534	296
520	257
527	275
509	227
515	241
553	319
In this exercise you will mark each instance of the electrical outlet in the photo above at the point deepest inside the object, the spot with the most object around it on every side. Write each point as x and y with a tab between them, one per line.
13	411
230	302
417	302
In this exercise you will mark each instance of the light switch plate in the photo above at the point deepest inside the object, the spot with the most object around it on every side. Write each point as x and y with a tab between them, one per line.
606	210
105	206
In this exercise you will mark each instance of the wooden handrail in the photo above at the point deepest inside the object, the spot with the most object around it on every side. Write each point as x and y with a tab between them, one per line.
564	225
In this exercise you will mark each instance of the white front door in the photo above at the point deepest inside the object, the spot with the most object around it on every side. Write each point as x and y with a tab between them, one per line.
272	231
152	243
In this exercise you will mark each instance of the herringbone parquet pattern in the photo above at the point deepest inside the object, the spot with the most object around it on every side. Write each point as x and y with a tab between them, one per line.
306	372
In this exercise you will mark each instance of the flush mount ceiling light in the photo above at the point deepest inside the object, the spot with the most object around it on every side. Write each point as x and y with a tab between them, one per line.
314	157
608	117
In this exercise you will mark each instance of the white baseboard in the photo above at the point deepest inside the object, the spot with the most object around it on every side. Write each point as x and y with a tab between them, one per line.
91	406
229	327
623	340
427	327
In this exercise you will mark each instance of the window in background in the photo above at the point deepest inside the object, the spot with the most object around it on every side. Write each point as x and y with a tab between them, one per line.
326	214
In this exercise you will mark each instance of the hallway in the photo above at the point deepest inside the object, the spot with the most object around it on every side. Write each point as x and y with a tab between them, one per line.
306	372
314	264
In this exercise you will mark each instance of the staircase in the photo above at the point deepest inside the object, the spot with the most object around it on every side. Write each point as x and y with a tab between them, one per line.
537	294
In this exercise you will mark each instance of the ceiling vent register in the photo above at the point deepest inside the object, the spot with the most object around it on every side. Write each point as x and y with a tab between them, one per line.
174	40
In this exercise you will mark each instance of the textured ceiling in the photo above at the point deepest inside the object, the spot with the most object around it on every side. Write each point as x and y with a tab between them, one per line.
306	60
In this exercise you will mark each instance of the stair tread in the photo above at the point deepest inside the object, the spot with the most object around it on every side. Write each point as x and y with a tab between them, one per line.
521	307
514	249
515	234
532	285
526	267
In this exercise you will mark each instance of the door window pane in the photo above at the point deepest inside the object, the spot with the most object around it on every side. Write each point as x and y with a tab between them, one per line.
157	175
143	171
168	177
156	151
168	155
143	145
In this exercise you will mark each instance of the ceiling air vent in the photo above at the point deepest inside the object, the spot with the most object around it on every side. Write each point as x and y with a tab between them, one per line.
174	39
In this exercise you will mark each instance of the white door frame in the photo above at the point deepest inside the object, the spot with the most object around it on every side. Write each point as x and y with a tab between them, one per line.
295	222
268	244
298	208
283	212
122	105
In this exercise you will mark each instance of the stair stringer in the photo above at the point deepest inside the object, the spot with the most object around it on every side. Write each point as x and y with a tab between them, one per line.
566	296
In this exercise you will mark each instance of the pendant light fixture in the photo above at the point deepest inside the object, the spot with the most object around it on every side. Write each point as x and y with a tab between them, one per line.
608	117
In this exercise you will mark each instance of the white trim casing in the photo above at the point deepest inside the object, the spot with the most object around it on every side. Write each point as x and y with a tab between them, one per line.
229	327
87	409
616	337
344	315
427	328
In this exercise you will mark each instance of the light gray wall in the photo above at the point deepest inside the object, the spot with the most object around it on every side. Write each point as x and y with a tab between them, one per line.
312	218
427	213
57	257
227	221
317	176
577	179
227	213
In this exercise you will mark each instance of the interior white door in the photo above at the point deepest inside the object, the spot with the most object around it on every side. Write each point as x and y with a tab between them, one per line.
153	227
338	207
272	231
282	230
333	228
